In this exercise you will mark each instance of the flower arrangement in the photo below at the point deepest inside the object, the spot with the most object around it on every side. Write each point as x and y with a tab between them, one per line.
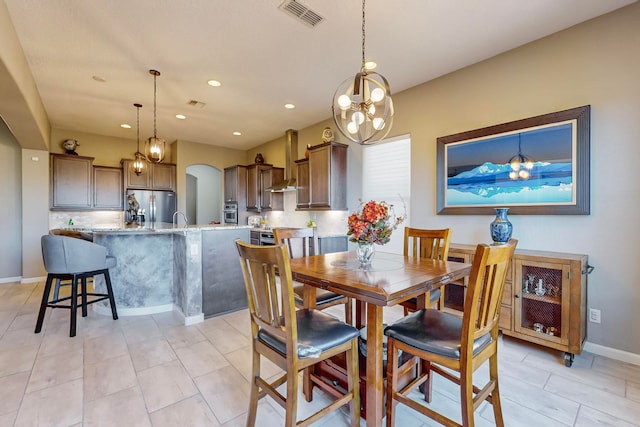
373	223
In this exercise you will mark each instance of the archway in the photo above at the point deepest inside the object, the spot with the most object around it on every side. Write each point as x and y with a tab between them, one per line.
203	195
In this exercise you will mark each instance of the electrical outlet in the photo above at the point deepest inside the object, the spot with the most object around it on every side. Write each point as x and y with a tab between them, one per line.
594	315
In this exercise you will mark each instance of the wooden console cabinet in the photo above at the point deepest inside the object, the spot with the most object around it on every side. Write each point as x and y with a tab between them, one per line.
544	301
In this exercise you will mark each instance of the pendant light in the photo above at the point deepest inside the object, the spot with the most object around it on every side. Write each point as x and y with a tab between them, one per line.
139	165
154	147
521	165
362	106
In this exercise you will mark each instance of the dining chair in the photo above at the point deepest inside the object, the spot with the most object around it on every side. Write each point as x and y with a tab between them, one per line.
76	260
292	339
450	343
303	242
432	244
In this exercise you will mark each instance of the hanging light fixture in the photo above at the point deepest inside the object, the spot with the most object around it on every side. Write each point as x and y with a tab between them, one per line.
154	146
362	106
139	164
521	165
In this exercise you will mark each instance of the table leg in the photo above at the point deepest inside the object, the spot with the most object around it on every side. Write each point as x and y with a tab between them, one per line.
309	296
361	314
375	391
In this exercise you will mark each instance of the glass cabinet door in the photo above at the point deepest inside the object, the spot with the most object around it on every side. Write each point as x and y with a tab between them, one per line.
542	300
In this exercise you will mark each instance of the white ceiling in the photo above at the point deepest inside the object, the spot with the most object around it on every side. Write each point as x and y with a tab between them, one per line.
263	57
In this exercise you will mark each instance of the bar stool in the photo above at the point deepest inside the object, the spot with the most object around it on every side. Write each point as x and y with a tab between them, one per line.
68	258
77	235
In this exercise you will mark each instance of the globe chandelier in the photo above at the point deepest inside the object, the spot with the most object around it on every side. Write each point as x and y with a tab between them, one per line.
362	106
521	165
139	164
154	146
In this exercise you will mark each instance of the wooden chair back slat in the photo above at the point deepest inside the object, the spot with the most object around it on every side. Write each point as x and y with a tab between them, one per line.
269	310
485	289
301	242
432	244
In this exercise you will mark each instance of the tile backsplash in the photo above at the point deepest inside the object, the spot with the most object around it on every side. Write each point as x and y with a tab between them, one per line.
104	219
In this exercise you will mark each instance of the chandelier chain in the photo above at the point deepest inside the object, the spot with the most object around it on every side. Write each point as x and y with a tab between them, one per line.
155	75
138	128
363	36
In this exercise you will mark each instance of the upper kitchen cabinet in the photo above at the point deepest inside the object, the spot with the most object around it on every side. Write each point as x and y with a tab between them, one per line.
302	187
71	182
163	177
157	176
271	201
327	177
235	184
107	188
259	178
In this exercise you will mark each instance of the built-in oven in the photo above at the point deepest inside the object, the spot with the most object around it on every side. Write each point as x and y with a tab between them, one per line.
230	213
266	238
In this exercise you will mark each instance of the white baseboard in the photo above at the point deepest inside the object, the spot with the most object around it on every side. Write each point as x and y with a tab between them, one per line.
189	320
10	279
612	353
106	310
33	279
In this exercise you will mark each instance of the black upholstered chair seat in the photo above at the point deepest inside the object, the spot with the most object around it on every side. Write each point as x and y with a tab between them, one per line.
323	296
317	330
435	332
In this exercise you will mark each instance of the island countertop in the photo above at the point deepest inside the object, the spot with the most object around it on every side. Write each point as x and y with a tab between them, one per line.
157	227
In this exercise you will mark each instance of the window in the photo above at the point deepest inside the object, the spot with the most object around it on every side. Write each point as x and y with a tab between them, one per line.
386	177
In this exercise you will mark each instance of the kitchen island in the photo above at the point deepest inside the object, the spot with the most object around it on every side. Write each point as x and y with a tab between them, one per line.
163	267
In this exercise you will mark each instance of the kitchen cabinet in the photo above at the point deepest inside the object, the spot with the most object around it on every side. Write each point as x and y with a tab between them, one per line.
544	299
327	172
235	184
270	201
107	188
259	178
163	177
302	187
156	176
71	182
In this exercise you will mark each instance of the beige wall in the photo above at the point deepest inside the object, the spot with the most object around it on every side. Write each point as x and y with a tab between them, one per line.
106	150
191	153
35	210
593	63
11	196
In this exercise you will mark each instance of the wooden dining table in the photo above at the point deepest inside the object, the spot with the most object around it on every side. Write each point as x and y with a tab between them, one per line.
389	280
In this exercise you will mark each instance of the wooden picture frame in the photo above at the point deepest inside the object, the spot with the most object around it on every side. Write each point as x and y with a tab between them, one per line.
474	173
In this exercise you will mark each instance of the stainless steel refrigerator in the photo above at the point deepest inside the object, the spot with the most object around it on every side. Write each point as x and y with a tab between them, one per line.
165	204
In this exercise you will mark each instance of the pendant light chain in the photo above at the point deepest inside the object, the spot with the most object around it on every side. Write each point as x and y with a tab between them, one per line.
155	76
363	37
138	128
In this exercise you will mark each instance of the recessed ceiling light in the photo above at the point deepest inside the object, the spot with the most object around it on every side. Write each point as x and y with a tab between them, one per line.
214	83
125	125
370	65
236	133
99	79
181	116
289	106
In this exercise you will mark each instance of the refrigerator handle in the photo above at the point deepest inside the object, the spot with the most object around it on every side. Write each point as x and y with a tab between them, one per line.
152	208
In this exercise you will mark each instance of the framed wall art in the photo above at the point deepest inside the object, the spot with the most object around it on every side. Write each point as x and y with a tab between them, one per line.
535	166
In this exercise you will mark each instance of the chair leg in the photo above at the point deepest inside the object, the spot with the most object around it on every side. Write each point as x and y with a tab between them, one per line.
83	280
495	394
254	393
291	410
74	306
466	395
43	304
307	384
425	368
56	290
112	301
392	381
348	312
353	382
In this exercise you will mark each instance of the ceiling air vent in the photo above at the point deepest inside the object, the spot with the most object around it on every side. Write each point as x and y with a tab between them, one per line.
196	104
301	12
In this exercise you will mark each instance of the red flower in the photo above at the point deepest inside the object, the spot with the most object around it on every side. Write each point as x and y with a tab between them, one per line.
373	223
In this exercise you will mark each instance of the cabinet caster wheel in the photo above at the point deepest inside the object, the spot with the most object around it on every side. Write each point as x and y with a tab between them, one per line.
568	359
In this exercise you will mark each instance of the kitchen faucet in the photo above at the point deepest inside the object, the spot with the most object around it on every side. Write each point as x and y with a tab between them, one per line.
175	222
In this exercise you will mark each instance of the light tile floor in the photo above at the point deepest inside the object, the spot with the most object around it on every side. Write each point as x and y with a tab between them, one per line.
152	370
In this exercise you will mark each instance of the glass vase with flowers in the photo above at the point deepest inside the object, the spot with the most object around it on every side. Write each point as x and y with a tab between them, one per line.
373	223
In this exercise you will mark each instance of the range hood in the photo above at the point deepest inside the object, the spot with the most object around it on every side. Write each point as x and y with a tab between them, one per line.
290	171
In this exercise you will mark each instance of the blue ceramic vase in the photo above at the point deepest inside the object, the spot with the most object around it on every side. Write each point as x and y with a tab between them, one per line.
501	228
